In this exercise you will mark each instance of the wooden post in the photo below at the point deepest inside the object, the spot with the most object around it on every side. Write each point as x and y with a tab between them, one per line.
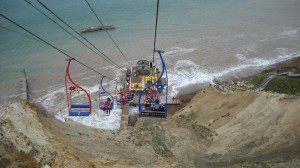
24	87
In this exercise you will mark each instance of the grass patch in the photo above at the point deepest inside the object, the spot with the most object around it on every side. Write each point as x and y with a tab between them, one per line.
279	84
295	69
257	80
286	85
268	71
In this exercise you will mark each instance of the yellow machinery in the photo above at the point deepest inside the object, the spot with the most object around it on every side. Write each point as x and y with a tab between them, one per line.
143	74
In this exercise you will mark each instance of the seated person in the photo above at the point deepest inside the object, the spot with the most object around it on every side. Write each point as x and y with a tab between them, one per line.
157	106
131	95
148	103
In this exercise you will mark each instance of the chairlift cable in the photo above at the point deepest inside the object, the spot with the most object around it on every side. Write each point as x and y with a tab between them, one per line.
105	56
154	48
107	32
53	46
66	30
21	34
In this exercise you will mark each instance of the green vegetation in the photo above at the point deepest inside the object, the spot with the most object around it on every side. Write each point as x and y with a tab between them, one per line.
257	80
295	69
279	84
283	84
268	71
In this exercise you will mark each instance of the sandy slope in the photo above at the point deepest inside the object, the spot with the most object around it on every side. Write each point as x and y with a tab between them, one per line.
215	129
248	125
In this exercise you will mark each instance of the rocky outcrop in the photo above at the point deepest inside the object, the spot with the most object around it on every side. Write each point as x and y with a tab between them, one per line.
23	138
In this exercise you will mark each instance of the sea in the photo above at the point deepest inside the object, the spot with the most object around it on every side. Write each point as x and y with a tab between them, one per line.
204	41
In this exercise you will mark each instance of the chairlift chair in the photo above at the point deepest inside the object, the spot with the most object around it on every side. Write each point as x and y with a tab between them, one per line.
76	108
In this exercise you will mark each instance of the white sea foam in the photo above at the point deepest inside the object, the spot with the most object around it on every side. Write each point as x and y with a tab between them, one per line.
133	111
13	96
175	50
186	72
57	106
48	99
92	89
290	32
241	57
97	119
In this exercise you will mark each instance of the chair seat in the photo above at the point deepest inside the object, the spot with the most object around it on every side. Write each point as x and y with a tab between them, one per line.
80	106
79	113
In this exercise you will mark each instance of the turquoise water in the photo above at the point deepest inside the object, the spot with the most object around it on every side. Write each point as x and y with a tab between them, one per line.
203	39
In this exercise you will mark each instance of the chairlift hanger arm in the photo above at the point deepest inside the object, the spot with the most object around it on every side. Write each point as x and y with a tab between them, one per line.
152	84
154	48
102	88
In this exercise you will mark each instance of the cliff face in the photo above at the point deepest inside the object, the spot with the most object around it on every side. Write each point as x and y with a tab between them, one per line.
245	126
215	129
24	140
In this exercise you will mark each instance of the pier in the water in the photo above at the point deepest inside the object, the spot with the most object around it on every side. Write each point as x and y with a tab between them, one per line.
23	87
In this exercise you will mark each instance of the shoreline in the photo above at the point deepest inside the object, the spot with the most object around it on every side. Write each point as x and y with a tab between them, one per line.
290	62
185	98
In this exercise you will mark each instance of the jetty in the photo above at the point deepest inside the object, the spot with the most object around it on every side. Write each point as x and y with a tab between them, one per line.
96	28
23	87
